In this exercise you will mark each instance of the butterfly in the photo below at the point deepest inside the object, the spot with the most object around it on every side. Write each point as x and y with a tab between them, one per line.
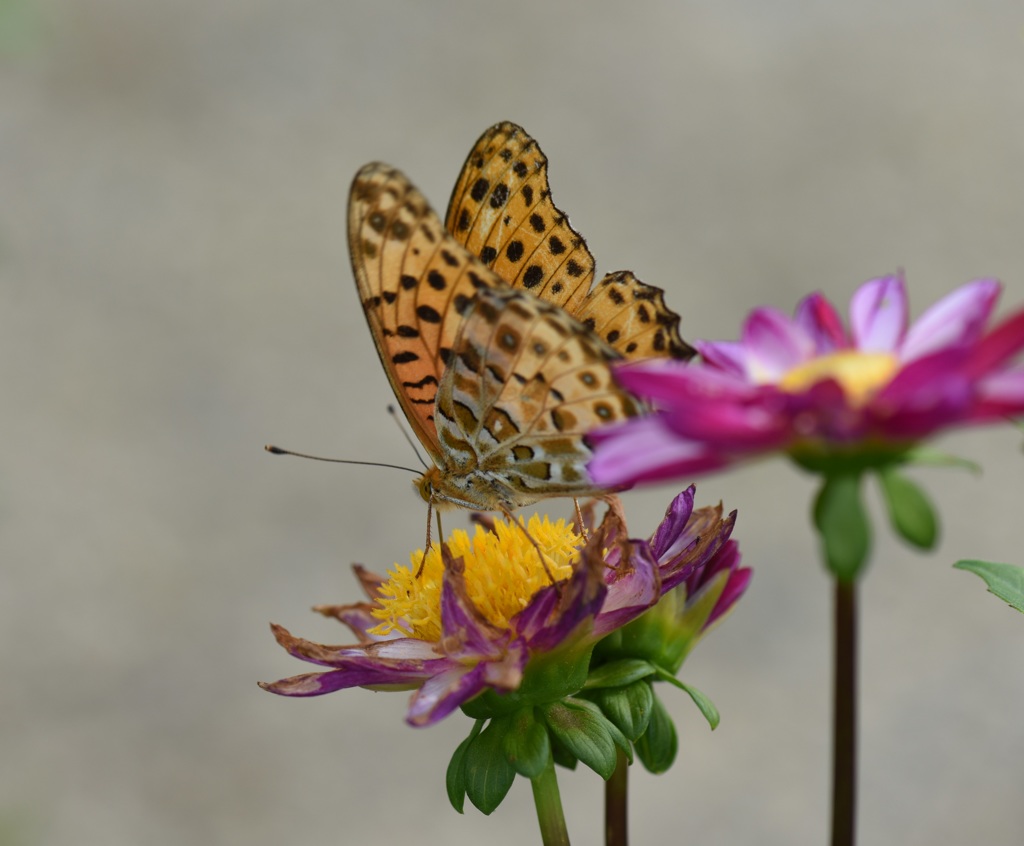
497	350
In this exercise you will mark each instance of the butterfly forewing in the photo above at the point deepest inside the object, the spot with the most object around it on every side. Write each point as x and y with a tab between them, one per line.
525	385
501	210
414	284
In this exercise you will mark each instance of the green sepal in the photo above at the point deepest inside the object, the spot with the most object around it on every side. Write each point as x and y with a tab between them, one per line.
563	757
587	734
843	525
455	777
910	511
629	707
619	673
548	678
657	747
928	457
700	699
526	745
1004	580
488	774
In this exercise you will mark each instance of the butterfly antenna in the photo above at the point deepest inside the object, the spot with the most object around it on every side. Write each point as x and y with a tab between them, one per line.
276	450
394	416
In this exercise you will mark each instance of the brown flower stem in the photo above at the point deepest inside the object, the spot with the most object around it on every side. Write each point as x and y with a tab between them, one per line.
616	792
844	727
549	808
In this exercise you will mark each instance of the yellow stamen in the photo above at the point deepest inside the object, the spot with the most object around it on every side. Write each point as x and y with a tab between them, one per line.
502	573
859	374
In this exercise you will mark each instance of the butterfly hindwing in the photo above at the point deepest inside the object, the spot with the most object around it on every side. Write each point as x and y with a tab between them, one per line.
525	385
632	317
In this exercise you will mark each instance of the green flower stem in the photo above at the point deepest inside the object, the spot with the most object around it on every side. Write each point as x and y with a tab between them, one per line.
616	793
549	807
844	729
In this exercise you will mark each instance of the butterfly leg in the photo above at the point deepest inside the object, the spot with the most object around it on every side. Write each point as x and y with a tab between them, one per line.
581	527
426	545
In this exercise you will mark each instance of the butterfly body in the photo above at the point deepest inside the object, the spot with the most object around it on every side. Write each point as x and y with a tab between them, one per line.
499	381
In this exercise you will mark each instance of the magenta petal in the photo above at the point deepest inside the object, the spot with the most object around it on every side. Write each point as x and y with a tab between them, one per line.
673	526
734	589
443	693
312	684
958	319
730	356
998	346
644	450
630	592
463	629
1000	396
578	600
878	314
315	684
761	420
820	320
774	344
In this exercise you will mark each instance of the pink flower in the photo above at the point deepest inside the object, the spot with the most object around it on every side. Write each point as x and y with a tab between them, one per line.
809	387
501	632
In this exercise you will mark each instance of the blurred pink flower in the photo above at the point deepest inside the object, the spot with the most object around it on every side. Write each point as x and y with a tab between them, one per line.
808	387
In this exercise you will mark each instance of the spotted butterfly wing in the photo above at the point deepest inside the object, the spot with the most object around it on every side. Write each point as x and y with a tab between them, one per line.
524	386
502	212
433	311
414	284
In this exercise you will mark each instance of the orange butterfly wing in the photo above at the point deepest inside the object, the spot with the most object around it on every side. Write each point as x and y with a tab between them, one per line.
414	283
502	212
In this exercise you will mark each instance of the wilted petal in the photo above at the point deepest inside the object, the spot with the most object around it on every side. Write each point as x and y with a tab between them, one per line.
711	533
465	630
671	534
359	618
443	693
632	590
958	319
878	314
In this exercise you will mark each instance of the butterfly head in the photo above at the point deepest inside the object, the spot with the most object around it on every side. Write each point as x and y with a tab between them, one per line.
426	483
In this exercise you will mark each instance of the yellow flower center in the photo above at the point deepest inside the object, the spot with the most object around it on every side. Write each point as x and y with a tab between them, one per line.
502	573
859	374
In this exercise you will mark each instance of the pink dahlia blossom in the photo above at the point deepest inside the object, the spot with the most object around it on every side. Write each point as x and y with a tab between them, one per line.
808	386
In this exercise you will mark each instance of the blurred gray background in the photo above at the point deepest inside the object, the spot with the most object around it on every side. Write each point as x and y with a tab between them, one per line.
176	292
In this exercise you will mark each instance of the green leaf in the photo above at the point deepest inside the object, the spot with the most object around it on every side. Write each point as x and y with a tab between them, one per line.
700	699
842	522
618	673
489	775
658	746
455	777
587	734
1004	580
910	511
527	745
629	708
